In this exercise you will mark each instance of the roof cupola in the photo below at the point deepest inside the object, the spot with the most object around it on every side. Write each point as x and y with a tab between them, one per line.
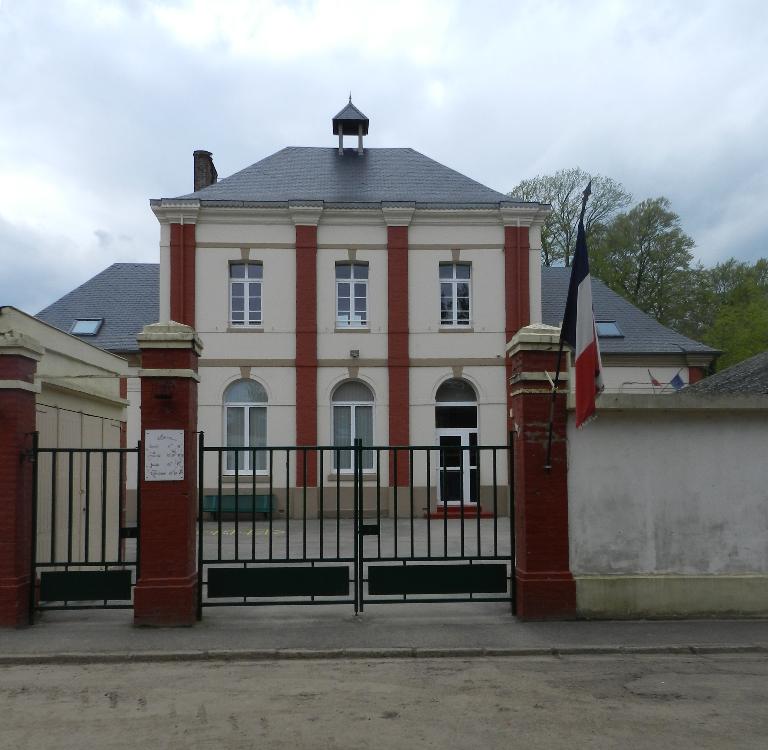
350	121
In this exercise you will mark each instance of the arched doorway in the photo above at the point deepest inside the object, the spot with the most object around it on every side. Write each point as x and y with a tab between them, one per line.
456	429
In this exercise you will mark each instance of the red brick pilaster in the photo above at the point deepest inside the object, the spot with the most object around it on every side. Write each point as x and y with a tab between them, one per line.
166	592
306	347
397	353
183	274
545	585
517	297
517	302
695	374
19	355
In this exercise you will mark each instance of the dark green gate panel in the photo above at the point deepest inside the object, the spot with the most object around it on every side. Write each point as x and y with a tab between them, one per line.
332	580
85	585
386	580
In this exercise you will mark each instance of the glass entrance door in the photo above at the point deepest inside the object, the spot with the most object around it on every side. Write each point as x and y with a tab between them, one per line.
458	480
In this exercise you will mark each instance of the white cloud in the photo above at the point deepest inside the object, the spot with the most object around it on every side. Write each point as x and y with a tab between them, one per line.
274	30
102	103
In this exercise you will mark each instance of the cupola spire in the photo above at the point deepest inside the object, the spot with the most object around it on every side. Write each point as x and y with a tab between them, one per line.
350	121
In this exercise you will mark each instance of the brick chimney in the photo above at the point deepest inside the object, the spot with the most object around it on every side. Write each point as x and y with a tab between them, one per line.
205	172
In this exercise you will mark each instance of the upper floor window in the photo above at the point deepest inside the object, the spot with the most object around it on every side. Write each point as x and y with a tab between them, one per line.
245	294
455	294
351	295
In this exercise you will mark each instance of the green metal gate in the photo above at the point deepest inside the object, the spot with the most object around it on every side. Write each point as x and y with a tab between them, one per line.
268	534
84	555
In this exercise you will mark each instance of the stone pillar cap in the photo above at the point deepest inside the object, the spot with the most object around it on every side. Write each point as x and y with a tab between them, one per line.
170	335
20	345
534	337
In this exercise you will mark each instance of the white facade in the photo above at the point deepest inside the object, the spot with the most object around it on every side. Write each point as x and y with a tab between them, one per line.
474	353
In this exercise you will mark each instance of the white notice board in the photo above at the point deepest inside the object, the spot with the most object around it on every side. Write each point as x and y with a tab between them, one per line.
163	455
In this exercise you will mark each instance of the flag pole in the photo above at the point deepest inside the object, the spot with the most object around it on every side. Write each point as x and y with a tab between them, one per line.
548	461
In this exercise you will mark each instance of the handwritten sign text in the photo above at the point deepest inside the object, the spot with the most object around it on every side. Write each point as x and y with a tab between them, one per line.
163	455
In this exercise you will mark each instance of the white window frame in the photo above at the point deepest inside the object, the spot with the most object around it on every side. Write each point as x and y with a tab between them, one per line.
247	283
245	450
368	457
454	322
348	321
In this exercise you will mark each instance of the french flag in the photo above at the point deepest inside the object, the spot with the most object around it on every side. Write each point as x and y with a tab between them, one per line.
579	327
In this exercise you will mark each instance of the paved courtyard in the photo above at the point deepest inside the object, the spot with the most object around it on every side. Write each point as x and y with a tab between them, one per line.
417	537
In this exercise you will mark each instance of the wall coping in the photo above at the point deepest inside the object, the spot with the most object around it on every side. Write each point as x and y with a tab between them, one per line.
170	335
534	337
15	343
680	401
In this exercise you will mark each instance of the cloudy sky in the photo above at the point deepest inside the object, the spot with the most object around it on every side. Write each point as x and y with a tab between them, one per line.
102	104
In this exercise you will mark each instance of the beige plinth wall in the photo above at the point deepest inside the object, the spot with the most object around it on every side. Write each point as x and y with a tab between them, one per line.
668	506
78	405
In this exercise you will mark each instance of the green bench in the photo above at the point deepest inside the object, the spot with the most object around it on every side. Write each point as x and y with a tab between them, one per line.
246	503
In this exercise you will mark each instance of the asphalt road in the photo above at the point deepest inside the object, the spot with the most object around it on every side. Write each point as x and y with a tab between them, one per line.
617	701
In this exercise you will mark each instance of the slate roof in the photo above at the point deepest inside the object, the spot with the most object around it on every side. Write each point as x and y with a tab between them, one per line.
380	175
642	333
747	377
125	295
350	112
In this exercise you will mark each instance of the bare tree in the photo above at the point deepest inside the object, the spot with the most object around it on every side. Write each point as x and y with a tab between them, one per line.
562	190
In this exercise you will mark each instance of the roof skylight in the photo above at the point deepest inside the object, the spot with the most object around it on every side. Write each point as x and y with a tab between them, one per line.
86	326
608	329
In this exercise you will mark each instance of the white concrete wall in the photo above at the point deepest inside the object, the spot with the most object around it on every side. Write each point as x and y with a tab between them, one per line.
635	379
658	499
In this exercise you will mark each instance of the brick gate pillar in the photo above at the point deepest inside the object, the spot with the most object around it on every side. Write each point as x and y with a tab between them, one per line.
167	586
545	585
19	355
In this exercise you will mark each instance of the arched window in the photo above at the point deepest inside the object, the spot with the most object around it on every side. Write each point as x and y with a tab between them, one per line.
456	405
245	419
352	404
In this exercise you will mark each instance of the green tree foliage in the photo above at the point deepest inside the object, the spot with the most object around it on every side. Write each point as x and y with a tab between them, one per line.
740	314
562	190
646	256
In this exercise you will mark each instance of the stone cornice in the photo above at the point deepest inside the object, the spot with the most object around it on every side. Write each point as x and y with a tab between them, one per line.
176	212
306	214
524	215
169	373
19	385
192	211
398	215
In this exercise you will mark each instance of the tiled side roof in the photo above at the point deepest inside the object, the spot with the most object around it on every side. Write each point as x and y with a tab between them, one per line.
125	295
642	333
379	175
748	377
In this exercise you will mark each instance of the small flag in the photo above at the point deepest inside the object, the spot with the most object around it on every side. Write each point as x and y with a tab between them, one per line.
579	326
677	382
654	382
